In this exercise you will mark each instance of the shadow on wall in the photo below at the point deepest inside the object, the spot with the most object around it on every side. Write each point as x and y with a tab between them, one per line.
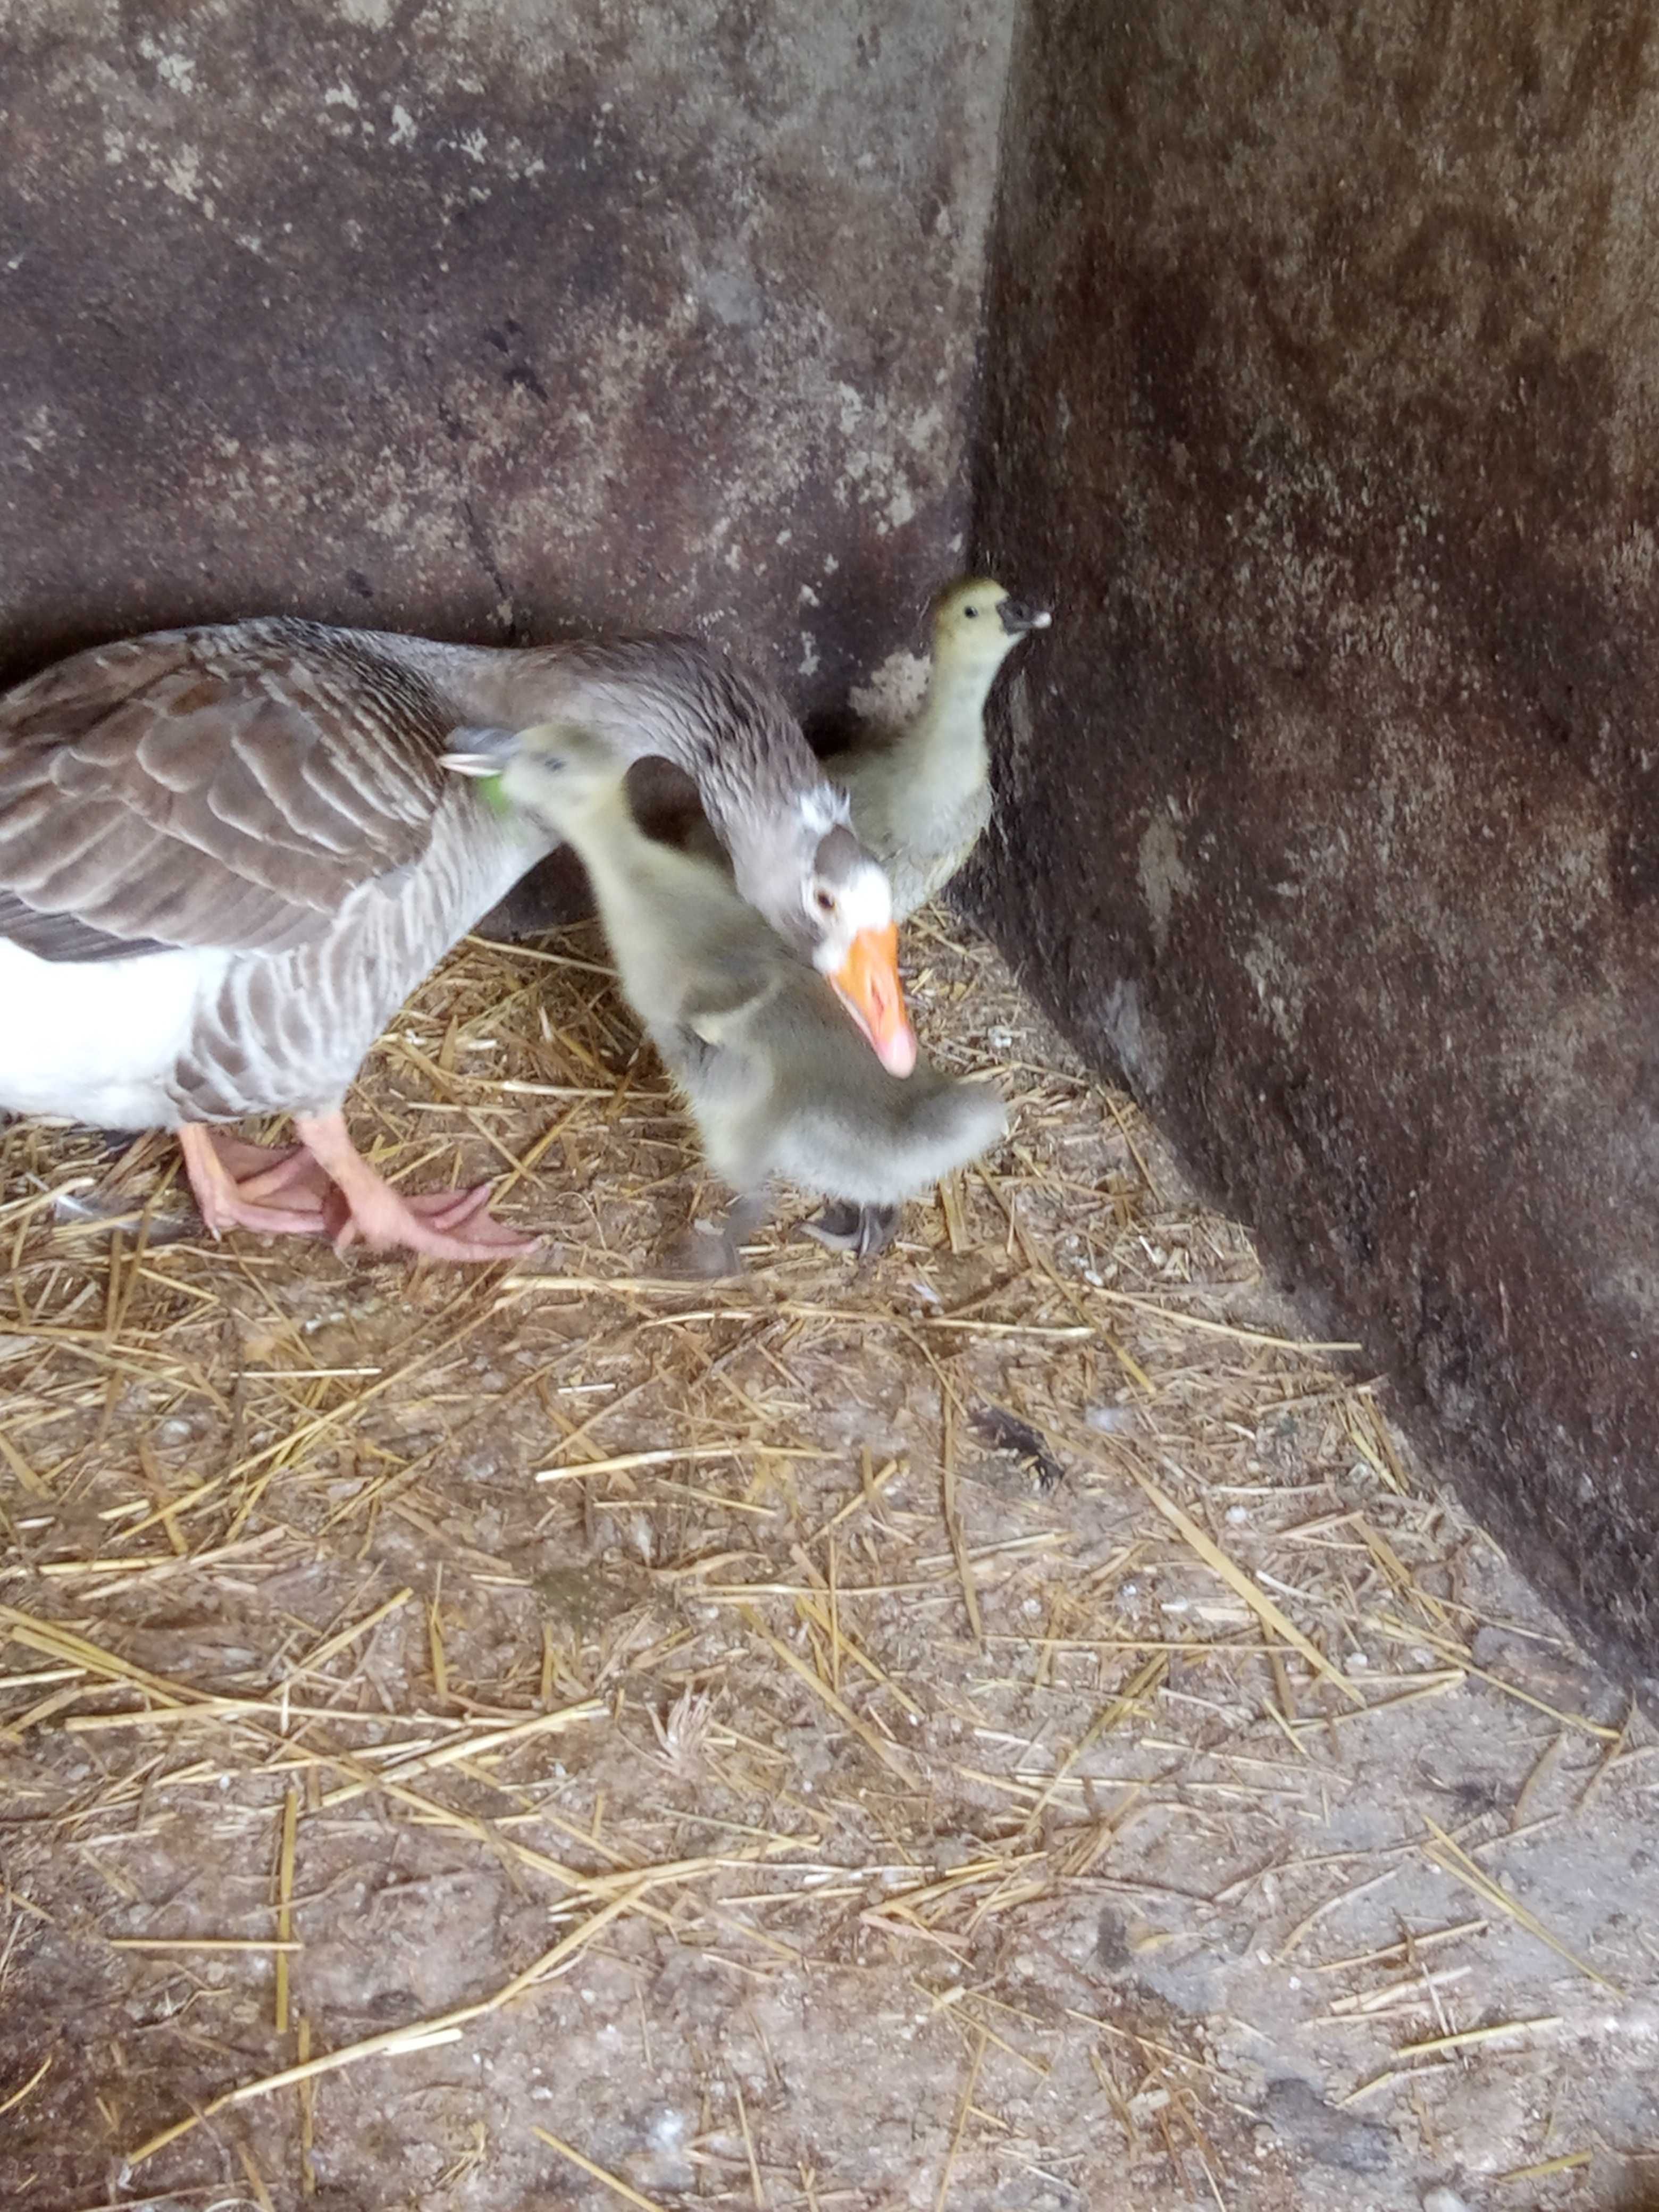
483	332
1328	819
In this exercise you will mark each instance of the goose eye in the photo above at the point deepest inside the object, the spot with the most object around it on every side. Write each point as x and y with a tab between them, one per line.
826	904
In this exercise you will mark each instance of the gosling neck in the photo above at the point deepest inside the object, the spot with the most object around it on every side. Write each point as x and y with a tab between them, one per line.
949	730
602	829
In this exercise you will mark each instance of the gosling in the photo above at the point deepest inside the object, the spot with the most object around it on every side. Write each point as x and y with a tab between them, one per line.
921	795
770	1064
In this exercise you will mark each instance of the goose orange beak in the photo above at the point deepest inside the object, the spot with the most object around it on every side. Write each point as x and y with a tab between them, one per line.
868	986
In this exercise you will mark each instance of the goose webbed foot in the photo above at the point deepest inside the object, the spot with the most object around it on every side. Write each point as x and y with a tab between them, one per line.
241	1186
441	1224
322	1187
842	1226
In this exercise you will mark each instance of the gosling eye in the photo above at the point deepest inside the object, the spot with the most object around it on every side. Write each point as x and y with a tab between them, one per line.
972	613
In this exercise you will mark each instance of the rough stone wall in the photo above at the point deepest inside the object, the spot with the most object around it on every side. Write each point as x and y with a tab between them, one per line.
1322	389
485	320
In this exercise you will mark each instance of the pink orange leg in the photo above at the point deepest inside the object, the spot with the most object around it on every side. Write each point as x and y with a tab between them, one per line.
450	1224
258	1169
234	1184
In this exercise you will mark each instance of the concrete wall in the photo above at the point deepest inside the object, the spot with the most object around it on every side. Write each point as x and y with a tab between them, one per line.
486	319
1323	379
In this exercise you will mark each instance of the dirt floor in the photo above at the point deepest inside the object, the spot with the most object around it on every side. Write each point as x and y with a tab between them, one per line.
1003	1729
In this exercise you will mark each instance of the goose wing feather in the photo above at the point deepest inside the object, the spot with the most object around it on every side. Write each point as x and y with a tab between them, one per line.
60	937
228	787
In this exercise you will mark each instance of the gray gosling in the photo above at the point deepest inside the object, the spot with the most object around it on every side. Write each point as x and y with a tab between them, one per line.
776	1077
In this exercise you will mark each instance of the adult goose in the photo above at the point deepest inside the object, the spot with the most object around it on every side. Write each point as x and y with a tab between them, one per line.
921	794
754	1039
228	853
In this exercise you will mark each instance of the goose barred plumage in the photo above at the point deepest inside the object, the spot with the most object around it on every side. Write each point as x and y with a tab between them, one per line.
228	853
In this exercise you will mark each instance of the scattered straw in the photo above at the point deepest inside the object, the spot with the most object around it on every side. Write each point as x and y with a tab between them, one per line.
1238	1581
1141	1685
285	1901
332	1646
279	1944
9	2104
392	2043
1450	1856
1464	2037
756	2190
1567	2163
761	1502
625	1462
953	1520
964	2106
612	2182
889	1754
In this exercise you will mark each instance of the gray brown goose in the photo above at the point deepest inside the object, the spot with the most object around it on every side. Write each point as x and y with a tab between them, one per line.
921	795
753	1038
228	853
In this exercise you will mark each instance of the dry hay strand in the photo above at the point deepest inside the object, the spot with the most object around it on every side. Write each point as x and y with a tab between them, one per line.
710	1629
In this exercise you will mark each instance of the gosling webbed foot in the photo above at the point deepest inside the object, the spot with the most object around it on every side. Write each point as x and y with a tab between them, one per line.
704	1251
864	1231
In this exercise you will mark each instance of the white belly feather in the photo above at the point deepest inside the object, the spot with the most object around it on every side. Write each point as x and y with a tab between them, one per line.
98	1043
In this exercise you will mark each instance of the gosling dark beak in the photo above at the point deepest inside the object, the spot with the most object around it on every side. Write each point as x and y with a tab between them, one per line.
1017	618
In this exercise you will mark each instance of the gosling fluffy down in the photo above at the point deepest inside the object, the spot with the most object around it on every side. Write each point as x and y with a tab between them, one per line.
921	795
779	1082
